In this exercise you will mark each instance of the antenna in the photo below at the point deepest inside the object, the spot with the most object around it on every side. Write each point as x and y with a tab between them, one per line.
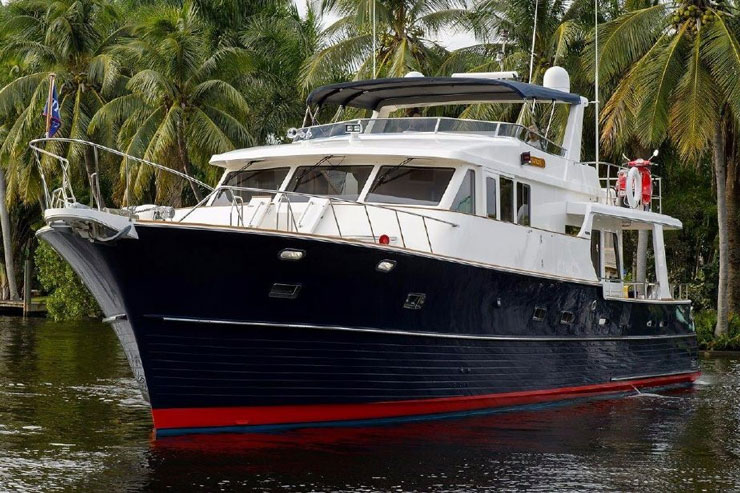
596	79
534	34
372	6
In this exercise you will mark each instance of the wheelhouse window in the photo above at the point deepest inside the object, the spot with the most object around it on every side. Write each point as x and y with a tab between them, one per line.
343	182
507	199
465	198
266	179
491	197
523	200
410	185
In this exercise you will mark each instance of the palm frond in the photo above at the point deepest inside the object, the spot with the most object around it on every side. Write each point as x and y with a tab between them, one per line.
623	41
695	107
659	78
721	52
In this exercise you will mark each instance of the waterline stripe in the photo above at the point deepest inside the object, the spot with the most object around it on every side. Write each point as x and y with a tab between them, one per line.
423	334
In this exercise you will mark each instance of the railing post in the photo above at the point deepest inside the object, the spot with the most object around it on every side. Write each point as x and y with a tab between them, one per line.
291	216
426	230
336	219
370	223
400	229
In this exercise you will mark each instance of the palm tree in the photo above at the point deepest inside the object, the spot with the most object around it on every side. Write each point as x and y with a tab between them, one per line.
279	43
404	32
677	69
181	107
66	37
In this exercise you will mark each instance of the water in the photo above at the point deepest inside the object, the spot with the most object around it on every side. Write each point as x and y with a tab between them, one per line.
72	419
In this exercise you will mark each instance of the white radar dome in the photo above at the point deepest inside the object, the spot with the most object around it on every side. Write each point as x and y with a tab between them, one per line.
557	78
414	74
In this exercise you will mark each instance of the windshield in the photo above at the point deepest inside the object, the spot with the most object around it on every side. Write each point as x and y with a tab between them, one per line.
268	179
410	185
344	182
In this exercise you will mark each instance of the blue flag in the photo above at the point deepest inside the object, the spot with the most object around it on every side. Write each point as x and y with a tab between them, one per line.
56	120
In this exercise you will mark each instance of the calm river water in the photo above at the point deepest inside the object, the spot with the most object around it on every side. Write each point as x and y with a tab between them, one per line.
72	419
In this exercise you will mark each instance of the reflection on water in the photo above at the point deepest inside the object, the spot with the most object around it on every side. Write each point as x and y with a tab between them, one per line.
71	418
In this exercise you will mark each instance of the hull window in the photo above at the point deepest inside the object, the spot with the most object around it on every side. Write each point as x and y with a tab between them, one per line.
410	185
507	200
523	201
343	182
414	301
465	198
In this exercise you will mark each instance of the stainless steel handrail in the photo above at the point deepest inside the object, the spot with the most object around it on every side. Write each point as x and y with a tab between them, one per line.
497	129
64	195
334	199
609	182
649	290
284	195
66	183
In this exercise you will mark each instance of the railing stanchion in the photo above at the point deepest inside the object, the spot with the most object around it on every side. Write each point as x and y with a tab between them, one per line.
291	216
426	230
370	223
336	219
400	230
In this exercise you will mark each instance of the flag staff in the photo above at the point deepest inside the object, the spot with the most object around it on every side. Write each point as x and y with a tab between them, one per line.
49	102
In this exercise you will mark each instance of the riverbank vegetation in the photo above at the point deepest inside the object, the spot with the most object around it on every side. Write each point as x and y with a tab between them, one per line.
176	81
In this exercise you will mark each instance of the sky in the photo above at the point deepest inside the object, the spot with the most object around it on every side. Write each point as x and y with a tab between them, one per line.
450	40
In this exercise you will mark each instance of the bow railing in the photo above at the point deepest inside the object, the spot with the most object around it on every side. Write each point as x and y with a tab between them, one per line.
64	196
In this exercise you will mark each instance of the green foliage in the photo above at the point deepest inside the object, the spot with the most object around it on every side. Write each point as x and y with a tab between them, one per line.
705	321
68	298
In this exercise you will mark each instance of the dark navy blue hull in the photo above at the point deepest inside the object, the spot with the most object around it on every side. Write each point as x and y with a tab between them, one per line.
205	327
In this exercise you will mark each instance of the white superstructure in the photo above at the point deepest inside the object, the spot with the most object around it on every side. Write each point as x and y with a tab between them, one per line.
490	193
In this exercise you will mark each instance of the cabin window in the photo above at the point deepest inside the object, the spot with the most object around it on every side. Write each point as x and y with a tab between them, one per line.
266	179
343	182
523	201
491	197
410	185
465	198
507	199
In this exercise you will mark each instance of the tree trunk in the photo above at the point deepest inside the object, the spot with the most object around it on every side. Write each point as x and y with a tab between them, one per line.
7	240
185	160
732	197
720	170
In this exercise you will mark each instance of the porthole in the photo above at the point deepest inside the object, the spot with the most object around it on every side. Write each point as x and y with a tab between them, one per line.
285	291
414	301
567	318
539	314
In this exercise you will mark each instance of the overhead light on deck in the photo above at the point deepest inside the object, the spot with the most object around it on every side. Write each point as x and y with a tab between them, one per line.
290	254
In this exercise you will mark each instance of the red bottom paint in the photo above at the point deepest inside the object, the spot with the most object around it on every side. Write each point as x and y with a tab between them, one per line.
274	415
